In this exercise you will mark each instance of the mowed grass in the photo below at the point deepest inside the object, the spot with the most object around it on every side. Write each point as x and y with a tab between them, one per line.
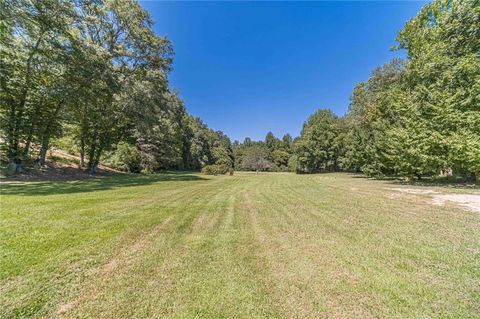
243	246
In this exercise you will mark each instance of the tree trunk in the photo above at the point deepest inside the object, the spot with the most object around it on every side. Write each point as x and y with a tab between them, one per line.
94	160
91	159
17	112
43	154
27	145
475	176
97	158
10	132
47	133
92	168
91	153
32	126
28	141
17	167
83	130
44	148
82	153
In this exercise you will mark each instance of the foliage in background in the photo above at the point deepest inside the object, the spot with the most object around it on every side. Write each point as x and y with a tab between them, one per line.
319	146
215	169
92	78
272	154
416	117
422	116
95	74
126	158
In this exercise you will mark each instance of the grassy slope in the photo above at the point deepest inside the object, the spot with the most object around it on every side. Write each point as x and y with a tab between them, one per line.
268	245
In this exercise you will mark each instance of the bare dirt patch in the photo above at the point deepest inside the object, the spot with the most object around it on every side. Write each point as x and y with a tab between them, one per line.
54	171
57	169
467	201
65	308
414	191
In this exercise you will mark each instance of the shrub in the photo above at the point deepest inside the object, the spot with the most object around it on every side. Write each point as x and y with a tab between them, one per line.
293	163
10	170
214	169
126	158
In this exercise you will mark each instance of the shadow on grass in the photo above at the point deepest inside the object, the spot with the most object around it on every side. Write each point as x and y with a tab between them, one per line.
91	184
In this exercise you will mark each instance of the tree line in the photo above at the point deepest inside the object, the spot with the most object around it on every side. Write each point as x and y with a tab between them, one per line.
95	72
414	117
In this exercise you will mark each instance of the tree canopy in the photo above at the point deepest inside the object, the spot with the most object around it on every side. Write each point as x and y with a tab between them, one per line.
95	70
95	73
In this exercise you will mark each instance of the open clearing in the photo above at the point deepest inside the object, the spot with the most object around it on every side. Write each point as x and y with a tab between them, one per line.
243	246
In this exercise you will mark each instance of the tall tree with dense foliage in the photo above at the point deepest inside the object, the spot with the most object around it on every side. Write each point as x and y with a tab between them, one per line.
255	158
419	116
271	154
116	43
442	104
373	111
205	146
34	58
318	147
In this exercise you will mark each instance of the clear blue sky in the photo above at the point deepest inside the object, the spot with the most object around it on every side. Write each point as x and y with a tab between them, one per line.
247	68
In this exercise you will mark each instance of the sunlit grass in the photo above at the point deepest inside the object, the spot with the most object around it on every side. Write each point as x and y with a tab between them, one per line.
243	246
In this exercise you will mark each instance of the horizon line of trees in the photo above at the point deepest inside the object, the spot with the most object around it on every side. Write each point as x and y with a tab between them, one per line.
95	74
414	117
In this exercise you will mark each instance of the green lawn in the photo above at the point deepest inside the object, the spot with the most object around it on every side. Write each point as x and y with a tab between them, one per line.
243	246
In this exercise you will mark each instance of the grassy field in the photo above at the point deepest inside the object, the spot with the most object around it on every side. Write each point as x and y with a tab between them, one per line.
243	246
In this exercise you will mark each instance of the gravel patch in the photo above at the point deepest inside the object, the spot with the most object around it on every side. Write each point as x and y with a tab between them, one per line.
468	201
414	190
